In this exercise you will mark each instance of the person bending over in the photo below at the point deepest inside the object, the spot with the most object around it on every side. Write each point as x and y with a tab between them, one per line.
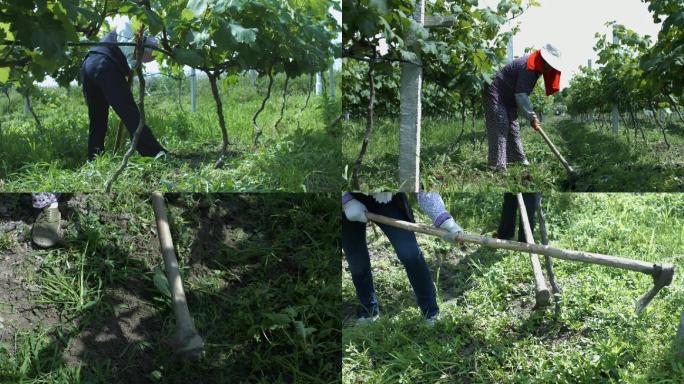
103	74
508	92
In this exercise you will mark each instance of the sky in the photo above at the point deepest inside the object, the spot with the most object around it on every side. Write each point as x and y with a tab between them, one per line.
572	24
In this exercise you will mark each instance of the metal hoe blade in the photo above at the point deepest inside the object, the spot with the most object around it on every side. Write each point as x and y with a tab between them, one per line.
662	277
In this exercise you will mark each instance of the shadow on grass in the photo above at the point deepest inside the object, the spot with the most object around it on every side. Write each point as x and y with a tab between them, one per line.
672	360
66	143
459	273
315	154
262	286
608	164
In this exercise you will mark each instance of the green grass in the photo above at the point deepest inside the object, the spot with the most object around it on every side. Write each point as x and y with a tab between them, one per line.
490	333
261	273
605	163
302	155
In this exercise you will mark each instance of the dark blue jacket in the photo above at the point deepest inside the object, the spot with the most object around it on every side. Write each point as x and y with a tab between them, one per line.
113	53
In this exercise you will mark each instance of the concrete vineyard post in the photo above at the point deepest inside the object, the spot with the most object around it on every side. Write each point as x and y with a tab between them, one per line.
615	113
331	74
591	114
509	50
410	114
253	75
193	90
319	84
27	109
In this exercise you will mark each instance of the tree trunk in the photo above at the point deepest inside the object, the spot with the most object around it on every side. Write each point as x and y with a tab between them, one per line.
257	129
622	117
282	107
29	105
9	101
180	94
472	121
308	96
219	111
673	103
660	125
637	126
463	120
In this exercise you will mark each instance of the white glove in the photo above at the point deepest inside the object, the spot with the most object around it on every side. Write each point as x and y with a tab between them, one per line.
451	226
354	210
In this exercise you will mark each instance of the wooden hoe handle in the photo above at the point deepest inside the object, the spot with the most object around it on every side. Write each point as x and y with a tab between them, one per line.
662	272
556	151
187	340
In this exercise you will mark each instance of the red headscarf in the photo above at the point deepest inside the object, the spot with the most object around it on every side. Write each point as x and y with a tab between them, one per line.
551	78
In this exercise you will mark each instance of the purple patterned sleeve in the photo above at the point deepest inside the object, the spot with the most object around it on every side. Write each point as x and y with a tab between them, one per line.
346	197
432	204
43	199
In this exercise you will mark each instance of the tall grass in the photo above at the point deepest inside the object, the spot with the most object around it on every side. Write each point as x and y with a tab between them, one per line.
302	155
605	162
490	332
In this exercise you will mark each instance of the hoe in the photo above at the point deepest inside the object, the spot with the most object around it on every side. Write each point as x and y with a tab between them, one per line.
572	174
187	342
662	273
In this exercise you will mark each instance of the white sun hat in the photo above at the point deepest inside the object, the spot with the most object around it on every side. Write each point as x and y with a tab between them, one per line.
552	55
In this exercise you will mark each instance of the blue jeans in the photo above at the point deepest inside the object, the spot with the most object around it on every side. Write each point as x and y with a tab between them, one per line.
404	242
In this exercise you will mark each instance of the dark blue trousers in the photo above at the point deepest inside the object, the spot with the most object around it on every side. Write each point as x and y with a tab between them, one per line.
103	86
404	243
509	214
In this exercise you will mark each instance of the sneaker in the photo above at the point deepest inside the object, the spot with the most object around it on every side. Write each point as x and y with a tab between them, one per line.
433	319
46	230
364	317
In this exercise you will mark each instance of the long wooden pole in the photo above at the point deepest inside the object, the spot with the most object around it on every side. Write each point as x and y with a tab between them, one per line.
187	341
555	288
662	273
565	254
542	294
556	152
